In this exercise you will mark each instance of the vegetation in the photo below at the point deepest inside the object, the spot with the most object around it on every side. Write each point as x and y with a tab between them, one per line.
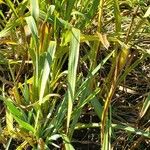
74	74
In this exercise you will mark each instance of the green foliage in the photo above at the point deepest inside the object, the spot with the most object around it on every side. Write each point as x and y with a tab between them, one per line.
63	57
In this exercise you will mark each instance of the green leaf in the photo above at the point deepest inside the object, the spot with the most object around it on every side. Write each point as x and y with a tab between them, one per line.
44	80
132	130
47	97
24	124
89	98
70	5
32	26
13	109
117	16
85	98
115	126
11	5
97	107
46	68
84	90
35	9
59	21
67	143
51	51
5	32
145	107
72	70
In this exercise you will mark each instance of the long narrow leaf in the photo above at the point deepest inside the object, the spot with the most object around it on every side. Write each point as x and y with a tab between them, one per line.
115	126
146	106
24	124
13	109
5	32
35	9
70	5
11	5
72	70
44	79
32	26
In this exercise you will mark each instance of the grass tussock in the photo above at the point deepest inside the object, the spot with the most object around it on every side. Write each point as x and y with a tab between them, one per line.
74	74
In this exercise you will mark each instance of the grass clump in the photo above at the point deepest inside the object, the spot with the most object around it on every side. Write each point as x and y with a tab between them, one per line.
63	62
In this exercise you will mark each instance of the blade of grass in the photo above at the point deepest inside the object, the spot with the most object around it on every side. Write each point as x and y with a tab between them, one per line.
100	15
115	126
132	130
8	144
35	9
5	32
45	70
69	7
67	143
117	16
113	75
59	21
44	80
84	89
11	5
35	47
24	124
85	99
12	108
33	28
72	70
145	107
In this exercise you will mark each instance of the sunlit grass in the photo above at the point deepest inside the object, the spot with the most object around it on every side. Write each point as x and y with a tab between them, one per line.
63	57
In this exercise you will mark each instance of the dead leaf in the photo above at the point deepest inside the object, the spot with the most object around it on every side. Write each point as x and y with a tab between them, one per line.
104	40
